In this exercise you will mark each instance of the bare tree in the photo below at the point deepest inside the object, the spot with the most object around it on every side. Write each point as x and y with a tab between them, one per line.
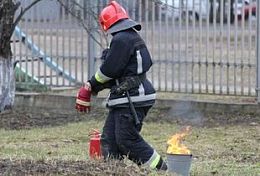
8	22
84	20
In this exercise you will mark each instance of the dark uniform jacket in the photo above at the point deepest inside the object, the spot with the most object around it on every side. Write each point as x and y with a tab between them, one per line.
127	56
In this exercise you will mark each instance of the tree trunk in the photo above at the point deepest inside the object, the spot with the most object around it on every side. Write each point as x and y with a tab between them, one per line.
7	83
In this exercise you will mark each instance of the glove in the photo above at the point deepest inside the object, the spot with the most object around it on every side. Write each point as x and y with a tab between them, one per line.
128	84
83	100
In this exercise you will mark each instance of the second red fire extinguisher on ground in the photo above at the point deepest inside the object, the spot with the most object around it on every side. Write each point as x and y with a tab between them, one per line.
94	145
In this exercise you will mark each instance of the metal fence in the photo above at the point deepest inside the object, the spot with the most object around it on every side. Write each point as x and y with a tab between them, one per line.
198	46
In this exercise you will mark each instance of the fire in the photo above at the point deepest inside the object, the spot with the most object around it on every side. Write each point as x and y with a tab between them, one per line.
175	145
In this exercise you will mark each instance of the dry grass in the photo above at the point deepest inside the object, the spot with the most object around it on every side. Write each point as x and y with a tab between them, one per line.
220	150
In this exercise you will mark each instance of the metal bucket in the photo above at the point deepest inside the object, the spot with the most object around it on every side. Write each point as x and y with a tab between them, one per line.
179	163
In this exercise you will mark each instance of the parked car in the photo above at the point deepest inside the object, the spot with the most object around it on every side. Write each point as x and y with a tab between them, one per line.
247	7
170	8
250	8
200	9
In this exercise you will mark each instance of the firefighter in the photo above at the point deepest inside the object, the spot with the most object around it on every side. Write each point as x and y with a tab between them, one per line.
123	70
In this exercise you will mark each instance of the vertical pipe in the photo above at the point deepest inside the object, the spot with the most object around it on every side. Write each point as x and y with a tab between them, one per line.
91	42
228	45
20	55
250	51
166	47
126	5
179	47
32	16
82	44
26	49
134	9
214	46
69	36
82	54
39	34
221	45
51	24
236	49
193	46
45	49
173	44
75	55
200	45
146	19
140	11
207	49
153	36
187	15
57	48
258	54
159	48
242	50
63	41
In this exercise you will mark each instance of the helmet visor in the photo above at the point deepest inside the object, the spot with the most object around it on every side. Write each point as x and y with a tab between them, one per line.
123	25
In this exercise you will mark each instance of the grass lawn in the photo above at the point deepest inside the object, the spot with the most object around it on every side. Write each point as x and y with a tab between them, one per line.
221	150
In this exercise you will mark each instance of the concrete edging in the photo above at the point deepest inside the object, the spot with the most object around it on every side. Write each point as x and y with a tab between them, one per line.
68	102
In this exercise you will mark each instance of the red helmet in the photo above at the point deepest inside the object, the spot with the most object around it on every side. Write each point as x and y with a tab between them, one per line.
111	14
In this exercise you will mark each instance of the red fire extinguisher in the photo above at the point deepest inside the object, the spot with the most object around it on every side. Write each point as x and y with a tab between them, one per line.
94	145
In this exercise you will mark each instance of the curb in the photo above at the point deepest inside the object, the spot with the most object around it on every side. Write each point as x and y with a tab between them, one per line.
37	100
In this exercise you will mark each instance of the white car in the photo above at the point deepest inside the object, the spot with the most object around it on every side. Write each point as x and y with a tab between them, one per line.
201	8
171	8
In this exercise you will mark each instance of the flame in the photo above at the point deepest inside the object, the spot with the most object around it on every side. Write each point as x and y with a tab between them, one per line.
175	145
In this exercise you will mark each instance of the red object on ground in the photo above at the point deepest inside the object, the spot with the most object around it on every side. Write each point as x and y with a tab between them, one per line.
94	145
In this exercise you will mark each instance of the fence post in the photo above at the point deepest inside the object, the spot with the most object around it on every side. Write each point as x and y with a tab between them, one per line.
92	25
258	54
